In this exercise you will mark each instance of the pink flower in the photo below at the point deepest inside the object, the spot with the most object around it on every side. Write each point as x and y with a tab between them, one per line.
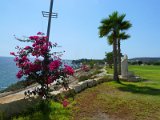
50	79
36	48
44	38
26	72
65	103
12	53
16	59
34	45
40	33
26	64
24	58
54	65
45	47
27	47
68	70
33	53
34	37
19	74
34	67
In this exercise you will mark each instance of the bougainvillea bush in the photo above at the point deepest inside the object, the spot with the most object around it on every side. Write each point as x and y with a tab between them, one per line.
46	67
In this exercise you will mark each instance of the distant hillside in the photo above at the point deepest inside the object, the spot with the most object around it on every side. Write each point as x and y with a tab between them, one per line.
145	59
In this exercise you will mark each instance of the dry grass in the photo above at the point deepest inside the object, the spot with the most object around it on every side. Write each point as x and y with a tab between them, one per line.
109	101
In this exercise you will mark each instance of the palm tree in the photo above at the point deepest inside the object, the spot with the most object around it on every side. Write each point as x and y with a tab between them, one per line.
110	27
121	36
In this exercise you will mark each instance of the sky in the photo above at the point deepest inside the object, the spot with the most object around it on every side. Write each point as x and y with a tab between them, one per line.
76	28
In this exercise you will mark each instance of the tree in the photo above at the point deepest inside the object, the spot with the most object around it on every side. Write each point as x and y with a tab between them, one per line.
121	36
111	27
140	62
109	58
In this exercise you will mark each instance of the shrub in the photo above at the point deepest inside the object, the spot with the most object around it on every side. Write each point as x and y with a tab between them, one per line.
46	110
46	68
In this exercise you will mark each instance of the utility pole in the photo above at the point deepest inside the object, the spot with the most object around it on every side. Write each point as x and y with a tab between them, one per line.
50	15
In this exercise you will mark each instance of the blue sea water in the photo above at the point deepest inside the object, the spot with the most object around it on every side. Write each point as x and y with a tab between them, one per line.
8	70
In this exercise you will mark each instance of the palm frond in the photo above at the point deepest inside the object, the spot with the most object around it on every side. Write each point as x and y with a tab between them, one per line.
110	39
123	36
125	25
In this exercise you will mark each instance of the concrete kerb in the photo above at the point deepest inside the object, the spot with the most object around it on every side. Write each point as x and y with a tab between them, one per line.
91	82
83	85
99	80
77	88
80	86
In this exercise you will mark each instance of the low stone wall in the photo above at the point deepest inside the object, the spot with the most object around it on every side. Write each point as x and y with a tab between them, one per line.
84	84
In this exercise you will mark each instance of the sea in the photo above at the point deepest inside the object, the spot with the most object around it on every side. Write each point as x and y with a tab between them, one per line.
8	70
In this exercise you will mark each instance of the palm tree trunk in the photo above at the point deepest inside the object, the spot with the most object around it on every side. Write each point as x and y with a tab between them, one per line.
119	58
115	76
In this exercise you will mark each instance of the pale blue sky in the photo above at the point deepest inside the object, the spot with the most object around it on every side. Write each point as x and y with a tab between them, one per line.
76	28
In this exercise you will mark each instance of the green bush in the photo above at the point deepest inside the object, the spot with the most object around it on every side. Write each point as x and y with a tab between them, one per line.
84	77
46	110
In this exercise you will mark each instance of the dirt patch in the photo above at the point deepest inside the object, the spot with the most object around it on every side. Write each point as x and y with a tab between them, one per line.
88	108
